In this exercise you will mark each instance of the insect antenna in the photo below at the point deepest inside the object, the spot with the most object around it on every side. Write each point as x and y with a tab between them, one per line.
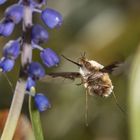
83	54
121	109
72	61
86	108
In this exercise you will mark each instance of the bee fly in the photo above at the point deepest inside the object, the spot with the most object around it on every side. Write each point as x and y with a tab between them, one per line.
94	77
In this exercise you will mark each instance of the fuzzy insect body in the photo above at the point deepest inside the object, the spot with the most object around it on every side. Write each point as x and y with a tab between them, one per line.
94	76
95	81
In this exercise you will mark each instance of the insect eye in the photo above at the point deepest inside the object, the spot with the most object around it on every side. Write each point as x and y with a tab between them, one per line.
82	61
87	65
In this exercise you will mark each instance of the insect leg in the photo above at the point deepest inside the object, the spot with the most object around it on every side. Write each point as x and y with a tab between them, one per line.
86	108
122	110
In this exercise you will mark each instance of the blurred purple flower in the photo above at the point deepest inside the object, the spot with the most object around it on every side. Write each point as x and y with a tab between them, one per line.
49	57
11	49
6	64
51	18
36	70
14	12
39	34
41	102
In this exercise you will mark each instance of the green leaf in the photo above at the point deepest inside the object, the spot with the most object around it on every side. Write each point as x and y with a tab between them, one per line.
134	98
35	119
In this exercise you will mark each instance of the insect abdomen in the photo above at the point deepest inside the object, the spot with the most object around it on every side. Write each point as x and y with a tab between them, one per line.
101	86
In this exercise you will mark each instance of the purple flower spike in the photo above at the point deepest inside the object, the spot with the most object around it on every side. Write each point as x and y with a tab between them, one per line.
49	57
30	83
39	34
15	13
11	49
36	70
2	1
6	64
51	18
7	29
41	102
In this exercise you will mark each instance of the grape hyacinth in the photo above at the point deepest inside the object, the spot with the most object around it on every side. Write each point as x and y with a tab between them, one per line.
6	28
15	13
30	84
6	64
51	18
33	34
11	49
39	34
49	57
35	70
2	1
41	102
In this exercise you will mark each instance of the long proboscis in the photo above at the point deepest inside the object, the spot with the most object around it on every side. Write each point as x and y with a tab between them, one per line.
72	61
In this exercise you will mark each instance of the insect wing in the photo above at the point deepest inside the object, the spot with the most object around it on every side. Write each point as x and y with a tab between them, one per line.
60	75
110	68
115	68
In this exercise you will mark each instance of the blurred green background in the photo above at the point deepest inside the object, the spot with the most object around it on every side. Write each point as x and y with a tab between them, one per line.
108	31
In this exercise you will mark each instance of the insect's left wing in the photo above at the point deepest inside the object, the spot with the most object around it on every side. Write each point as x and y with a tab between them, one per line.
67	75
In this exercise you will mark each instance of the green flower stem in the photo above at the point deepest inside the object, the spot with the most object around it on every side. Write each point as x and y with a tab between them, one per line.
35	119
15	111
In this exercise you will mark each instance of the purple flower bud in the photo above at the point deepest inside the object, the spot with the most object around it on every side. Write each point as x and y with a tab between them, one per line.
2	1
7	28
49	57
30	83
36	70
11	49
42	103
15	13
6	64
51	18
39	34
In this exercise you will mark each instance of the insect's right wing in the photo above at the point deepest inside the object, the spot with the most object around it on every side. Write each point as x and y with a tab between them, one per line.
111	68
67	75
117	68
